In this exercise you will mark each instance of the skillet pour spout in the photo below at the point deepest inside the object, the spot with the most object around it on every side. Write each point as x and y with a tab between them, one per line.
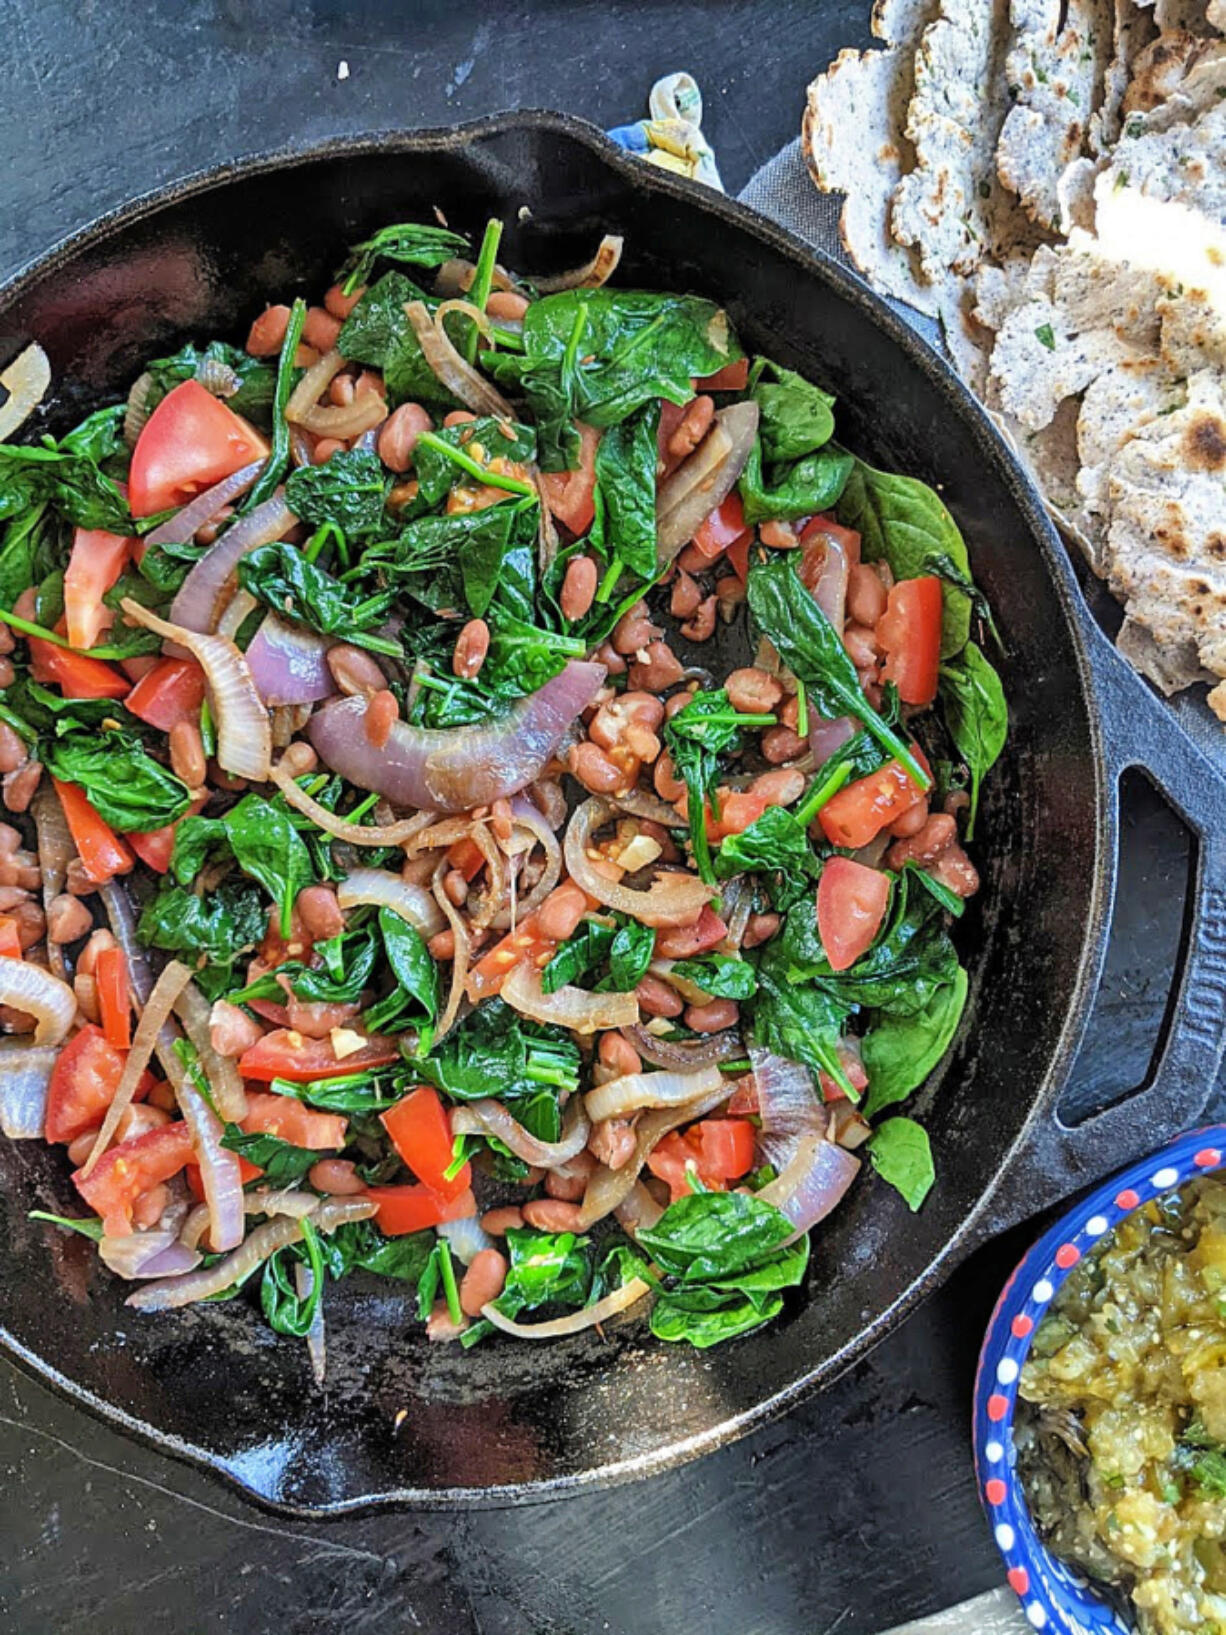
516	1422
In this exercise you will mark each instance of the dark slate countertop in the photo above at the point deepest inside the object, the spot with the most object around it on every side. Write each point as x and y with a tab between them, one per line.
856	1511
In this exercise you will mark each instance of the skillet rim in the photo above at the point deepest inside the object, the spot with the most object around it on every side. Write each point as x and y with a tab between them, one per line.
811	263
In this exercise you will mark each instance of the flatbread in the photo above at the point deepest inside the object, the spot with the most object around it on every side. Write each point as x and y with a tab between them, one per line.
1132	30
1161	69
854	143
1055	68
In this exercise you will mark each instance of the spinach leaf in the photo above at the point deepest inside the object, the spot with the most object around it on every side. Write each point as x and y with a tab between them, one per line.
360	1246
547	1269
125	786
415	993
809	645
795	416
631	954
264	843
280	576
811	484
41	710
696	736
361	1093
278	454
318	985
900	1051
477	543
905	522
902	1155
284	1309
230	921
626	483
541	386
284	1165
472	452
255	378
494	1047
723	1256
977	716
30	546
616	350
378	332
719	975
165	567
347	490
87	1225
411	243
628	948
32	476
99	437
801	1022
775	842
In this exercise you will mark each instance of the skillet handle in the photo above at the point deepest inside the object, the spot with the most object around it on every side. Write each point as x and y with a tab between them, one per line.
1056	1160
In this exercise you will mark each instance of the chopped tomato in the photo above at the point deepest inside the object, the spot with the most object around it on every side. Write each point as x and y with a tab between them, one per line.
190	441
97	560
909	633
124	1172
114	997
156	847
421	1134
718	1150
10	941
285	1054
83	1084
738	555
466	856
287	1118
75	674
733	377
856	1076
571	495
723	528
413	1208
851	904
820	526
526	942
863	808
171	692
671	416
103	854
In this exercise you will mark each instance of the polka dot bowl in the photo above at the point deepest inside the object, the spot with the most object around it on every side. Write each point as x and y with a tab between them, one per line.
1054	1597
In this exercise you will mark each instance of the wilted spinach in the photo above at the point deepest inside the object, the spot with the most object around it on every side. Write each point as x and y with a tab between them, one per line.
228	922
255	378
124	784
977	717
280	576
902	1155
347	490
899	1051
697	736
263	842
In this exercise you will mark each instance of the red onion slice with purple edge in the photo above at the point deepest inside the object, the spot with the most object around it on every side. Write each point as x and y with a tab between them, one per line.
289	665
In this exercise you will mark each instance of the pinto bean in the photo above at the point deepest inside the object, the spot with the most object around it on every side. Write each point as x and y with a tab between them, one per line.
472	644
507	304
86	991
612	660
656	998
80	1148
13	752
399	435
861	645
702	626
731	592
686	596
498	1222
187	758
633	631
483	1281
354	671
459	417
31	923
67	919
342	389
612	721
782	744
320	913
579	585
694	425
325	449
147	1210
779	534
759	929
667	785
231	1030
686	941
8	642
559	915
954	869
455	884
266	334
911	821
865	595
714	1016
442	945
956	801
552	1215
594	770
789	715
661	670
321	329
692	560
617	1053
7	673
753	691
337	1176
439	1325
938	832
612	1142
341	305
382	714
675	704
779	788
571	1186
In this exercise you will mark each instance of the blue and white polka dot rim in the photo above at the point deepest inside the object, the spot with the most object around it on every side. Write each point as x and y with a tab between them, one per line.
1053	1596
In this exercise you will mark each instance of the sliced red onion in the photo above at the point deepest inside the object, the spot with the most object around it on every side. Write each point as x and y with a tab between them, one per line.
829	584
704	480
56	850
219	1168
289	665
633	1091
304	1286
825	737
147	1254
490	1117
384	889
788	1105
183	526
575	1321
30	988
671	899
592	274
568	1006
813	1184
638	1210
203	595
685	1055
467	1238
25	1077
457	769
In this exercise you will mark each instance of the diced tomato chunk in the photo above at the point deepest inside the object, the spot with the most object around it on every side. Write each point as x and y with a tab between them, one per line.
412	1208
114	997
723	528
10	938
96	562
571	495
909	633
421	1134
733	377
851	904
124	1172
862	809
102	852
83	1084
190	441
718	1150
286	1054
171	692
75	674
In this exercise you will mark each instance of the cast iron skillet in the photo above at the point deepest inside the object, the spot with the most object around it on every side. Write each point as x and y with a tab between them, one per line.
506	1421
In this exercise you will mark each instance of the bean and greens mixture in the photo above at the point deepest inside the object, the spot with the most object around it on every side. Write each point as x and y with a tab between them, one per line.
1122	1429
400	876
